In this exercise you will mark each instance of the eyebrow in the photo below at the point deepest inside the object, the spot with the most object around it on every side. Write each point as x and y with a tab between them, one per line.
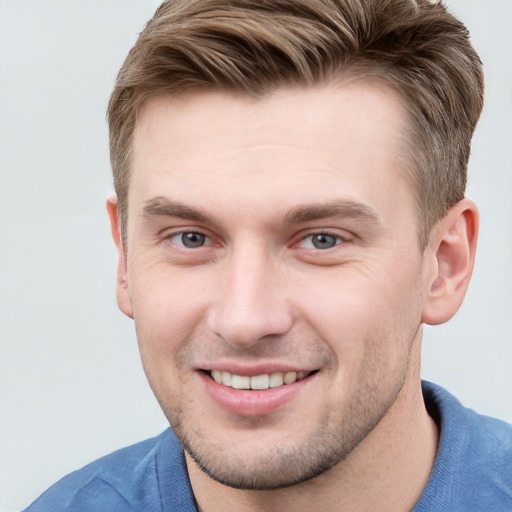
161	206
341	208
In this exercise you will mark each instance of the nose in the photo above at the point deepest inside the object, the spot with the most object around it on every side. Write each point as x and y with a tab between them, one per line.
250	304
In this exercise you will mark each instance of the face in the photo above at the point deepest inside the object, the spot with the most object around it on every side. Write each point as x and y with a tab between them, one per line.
274	274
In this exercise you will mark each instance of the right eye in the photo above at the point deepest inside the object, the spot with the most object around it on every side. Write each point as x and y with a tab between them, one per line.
190	239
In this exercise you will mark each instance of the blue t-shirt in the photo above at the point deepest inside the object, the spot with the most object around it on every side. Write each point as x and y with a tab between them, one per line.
472	471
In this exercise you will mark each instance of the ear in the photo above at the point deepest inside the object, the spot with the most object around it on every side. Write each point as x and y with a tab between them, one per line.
453	247
123	292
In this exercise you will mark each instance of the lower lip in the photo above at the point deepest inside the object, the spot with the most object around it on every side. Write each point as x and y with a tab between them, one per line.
252	403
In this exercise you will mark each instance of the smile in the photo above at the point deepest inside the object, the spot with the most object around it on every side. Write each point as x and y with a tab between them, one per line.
257	382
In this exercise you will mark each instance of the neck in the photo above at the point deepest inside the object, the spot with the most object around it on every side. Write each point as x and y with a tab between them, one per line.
387	471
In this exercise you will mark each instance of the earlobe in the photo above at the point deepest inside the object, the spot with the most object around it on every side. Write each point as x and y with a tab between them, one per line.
453	247
123	291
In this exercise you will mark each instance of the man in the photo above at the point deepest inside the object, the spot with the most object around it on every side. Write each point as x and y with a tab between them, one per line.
290	211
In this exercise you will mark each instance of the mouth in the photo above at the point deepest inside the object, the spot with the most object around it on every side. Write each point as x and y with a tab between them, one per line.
252	393
258	382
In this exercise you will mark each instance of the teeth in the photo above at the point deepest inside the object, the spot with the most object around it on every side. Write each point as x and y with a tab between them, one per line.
226	378
289	377
260	382
264	381
276	380
239	382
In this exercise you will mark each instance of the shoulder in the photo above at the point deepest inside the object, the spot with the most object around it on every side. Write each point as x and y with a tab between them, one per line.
123	481
473	467
465	428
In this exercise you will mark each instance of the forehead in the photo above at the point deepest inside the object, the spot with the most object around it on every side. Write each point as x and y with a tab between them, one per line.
289	145
357	107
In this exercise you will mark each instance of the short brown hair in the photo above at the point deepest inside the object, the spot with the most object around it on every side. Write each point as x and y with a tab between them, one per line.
254	47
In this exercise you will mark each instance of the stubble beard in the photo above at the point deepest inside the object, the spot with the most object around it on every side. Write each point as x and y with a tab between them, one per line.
336	434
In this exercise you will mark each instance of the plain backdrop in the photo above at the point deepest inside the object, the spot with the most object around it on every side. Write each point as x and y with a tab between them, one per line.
71	385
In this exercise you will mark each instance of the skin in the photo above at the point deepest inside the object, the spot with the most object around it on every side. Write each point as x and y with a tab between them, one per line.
254	182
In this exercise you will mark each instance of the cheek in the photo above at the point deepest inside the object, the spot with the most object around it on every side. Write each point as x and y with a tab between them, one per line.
165	320
347	299
356	309
167	308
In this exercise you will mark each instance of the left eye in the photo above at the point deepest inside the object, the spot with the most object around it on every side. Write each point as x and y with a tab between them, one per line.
190	240
320	241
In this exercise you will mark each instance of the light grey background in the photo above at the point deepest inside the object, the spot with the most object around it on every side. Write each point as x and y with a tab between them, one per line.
71	385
